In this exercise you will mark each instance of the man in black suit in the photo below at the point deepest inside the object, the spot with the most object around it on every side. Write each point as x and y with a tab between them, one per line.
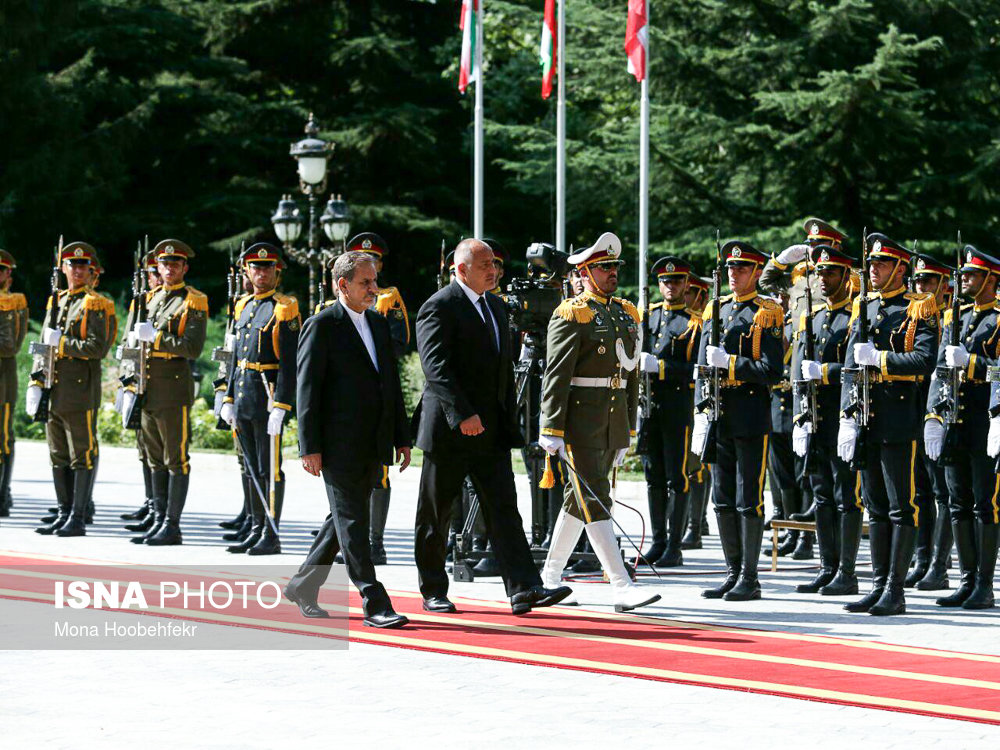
351	416
466	425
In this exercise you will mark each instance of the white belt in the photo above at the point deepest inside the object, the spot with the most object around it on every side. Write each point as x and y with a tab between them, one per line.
612	382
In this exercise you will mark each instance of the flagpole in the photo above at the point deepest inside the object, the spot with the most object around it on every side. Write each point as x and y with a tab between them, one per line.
561	127
477	188
644	167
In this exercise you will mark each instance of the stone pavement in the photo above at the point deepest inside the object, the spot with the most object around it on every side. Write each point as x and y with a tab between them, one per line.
277	699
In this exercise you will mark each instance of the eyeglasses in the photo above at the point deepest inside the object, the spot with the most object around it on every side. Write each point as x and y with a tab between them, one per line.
607	265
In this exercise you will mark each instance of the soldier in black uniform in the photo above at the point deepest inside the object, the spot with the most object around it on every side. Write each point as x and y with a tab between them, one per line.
261	389
669	357
902	348
749	358
835	486
973	484
699	475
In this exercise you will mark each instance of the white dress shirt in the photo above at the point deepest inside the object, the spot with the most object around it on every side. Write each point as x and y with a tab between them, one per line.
474	299
364	331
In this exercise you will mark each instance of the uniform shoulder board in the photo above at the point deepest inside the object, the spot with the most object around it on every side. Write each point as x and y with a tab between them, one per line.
388	299
196	300
13	301
241	302
947	317
654	306
769	313
922	306
286	307
93	300
575	310
802	322
707	315
855	310
627	305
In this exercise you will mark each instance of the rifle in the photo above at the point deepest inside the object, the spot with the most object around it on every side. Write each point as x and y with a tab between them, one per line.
710	389
223	354
805	390
949	379
645	392
442	275
47	373
860	406
139	354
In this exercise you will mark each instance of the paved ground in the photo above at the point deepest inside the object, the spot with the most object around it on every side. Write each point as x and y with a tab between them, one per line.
277	699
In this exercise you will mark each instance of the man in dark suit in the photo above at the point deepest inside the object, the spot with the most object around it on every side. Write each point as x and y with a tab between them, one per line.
351	416
466	426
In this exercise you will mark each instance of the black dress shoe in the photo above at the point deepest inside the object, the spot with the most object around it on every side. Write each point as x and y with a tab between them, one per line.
308	608
386	620
439	604
537	596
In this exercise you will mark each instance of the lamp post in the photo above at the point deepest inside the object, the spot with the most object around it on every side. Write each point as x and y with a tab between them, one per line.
311	155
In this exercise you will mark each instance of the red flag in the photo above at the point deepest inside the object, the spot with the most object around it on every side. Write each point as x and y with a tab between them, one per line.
636	38
547	49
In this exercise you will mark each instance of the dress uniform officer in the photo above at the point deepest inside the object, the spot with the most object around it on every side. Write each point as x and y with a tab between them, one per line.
669	358
699	475
901	348
750	360
934	536
835	485
13	328
590	395
175	329
84	324
973	484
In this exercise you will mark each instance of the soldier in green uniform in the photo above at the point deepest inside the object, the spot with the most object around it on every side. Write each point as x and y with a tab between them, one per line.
84	325
175	329
13	327
260	391
590	396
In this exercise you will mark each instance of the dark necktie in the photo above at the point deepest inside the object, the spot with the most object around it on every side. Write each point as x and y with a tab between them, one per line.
488	320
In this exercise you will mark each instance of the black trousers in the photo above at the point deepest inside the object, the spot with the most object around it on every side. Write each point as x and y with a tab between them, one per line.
348	522
889	483
440	481
254	436
738	475
665	465
834	484
973	483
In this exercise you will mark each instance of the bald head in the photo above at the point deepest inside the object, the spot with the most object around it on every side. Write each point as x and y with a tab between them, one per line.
474	265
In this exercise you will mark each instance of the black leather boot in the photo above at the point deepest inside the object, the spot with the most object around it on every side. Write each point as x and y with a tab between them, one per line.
922	554
697	497
554	500
893	599
880	540
83	483
845	583
144	509
241	517
732	551
790	500
657	497
748	586
378	505
804	548
146	523
170	532
809	514
827	523
6	501
705	531
62	479
986	542
586	566
270	542
672	556
487	566
936	578
90	510
161	482
965	545
257	524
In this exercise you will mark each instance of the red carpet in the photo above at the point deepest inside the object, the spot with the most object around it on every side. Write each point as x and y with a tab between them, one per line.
836	670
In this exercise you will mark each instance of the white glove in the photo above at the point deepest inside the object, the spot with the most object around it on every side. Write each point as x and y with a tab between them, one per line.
128	399
217	402
131	339
620	456
792	254
228	414
51	336
993	438
812	370
956	356
933	438
552	445
800	437
866	354
649	363
145	331
699	434
275	421
32	398
230	341
847	439
119	395
716	357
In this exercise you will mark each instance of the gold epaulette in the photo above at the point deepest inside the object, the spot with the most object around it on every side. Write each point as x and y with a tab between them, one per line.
947	317
769	313
13	301
240	304
707	315
99	303
631	309
196	300
856	307
323	305
798	272
575	310
802	322
654	306
922	306
388	299
286	307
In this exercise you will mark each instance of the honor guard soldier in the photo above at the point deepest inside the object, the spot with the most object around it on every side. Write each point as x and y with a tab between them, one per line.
749	359
934	535
13	328
699	475
901	348
669	359
590	395
972	477
261	390
81	331
835	485
177	316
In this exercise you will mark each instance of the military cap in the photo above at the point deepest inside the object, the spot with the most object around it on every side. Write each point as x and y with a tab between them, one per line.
881	246
976	260
499	253
925	265
368	242
78	251
697	282
606	250
822	233
829	256
150	261
739	253
670	265
172	250
262	252
96	263
7	260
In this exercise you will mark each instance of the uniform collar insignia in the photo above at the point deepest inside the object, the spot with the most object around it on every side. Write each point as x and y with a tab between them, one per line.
265	295
172	287
894	293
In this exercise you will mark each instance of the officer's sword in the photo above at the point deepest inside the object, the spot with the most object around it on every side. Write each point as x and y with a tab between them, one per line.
272	458
251	460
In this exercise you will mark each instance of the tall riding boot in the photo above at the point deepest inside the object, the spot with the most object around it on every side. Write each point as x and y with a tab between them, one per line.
145	509
257	524
777	511
91	510
672	557
922	553
237	522
705	531
170	532
161	483
270	543
6	501
243	531
808	512
748	586
880	541
61	479
56	511
83	483
657	524
936	577
565	535
379	507
732	550
965	546
829	550
790	501
627	595
845	583
697	497
893	599
986	541
4	471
